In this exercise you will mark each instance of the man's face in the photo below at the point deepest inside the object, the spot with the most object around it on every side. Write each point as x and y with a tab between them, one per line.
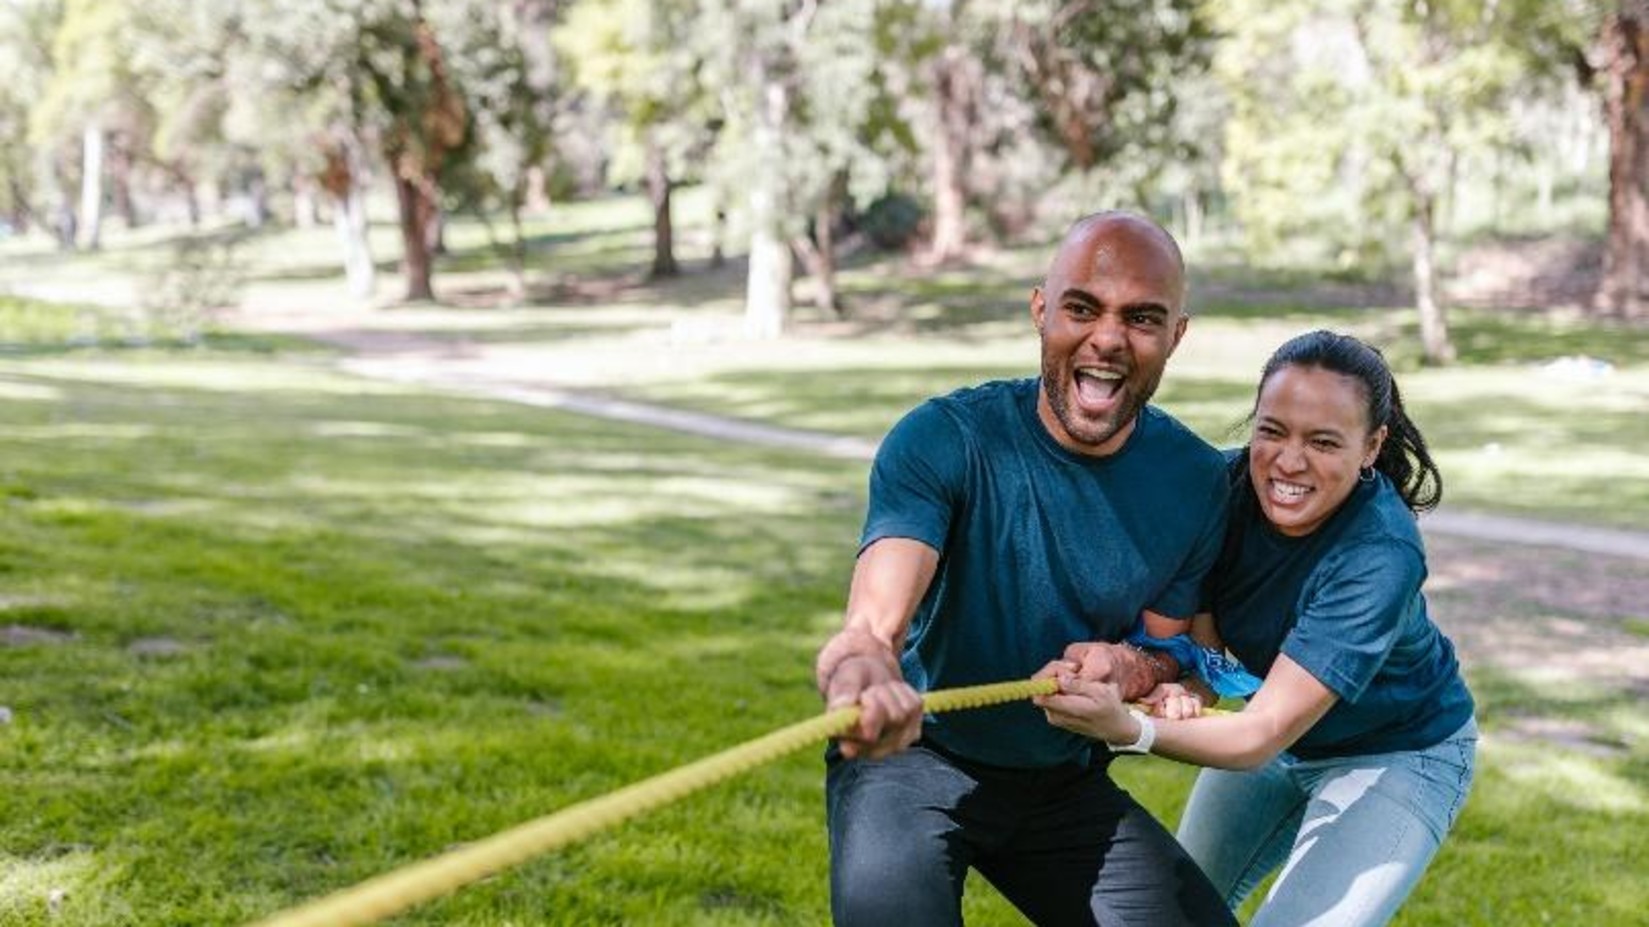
1110	314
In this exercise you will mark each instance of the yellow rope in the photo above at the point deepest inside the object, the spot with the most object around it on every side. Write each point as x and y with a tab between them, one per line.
396	891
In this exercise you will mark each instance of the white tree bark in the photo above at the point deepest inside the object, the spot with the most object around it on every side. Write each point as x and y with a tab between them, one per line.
767	288
91	185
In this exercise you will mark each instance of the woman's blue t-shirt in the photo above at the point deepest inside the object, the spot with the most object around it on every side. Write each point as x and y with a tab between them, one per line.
1039	548
1345	603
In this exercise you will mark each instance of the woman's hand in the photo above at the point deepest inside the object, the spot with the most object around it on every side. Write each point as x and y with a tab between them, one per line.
1092	709
1173	701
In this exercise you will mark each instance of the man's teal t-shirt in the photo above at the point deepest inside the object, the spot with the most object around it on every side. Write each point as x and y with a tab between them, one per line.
1344	602
1039	548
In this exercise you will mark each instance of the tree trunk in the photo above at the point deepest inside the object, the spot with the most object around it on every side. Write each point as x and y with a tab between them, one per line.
1434	329
537	201
91	186
518	253
659	187
953	118
345	178
191	195
304	212
350	219
1626	93
767	289
718	232
66	225
257	196
418	213
120	176
416	145
22	210
818	252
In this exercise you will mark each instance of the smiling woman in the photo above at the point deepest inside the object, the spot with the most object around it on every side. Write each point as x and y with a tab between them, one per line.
1350	764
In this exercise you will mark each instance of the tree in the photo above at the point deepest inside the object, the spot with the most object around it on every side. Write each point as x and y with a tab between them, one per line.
91	87
801	90
1348	120
1096	81
26	30
426	125
1622	71
305	105
513	76
636	58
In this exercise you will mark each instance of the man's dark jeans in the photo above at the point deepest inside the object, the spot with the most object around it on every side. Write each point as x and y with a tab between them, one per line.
1064	844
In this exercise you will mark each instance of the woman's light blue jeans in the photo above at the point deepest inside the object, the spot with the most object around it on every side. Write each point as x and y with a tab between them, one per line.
1353	835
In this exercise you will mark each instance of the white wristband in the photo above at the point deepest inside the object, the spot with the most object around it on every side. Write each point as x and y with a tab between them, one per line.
1147	735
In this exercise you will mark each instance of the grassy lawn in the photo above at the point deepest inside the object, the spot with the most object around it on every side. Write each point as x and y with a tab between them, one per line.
269	630
269	633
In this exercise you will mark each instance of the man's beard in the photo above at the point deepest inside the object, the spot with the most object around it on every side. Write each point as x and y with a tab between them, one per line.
1083	430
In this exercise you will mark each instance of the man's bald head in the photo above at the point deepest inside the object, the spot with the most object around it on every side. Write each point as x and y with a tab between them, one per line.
1097	234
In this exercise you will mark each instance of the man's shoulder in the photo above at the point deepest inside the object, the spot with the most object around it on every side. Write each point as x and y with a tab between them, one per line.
981	405
971	415
1168	436
990	395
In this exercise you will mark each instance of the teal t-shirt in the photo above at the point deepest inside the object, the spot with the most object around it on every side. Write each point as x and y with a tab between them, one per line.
1345	603
1039	548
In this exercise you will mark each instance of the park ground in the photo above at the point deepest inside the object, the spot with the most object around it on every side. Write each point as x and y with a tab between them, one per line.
337	585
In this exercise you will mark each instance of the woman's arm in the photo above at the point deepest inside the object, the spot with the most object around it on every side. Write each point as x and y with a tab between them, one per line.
1287	705
1205	632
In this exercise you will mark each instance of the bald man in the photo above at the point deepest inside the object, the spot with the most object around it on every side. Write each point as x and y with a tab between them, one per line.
1011	523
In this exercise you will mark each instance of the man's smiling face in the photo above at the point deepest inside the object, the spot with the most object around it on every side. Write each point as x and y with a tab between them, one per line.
1110	314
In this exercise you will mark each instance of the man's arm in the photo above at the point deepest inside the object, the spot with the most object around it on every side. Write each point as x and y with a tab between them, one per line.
860	664
1134	671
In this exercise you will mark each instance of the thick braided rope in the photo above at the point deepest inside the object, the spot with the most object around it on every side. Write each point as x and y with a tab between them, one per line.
396	891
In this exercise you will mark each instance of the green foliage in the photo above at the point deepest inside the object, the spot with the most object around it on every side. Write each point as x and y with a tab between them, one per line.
91	69
1345	115
891	222
639	59
26	29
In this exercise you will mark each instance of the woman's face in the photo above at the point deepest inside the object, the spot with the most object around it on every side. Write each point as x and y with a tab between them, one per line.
1311	438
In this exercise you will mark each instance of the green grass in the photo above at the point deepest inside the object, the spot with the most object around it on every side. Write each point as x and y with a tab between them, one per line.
299	632
291	630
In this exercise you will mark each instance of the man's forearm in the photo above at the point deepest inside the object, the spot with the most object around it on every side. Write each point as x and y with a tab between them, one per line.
1147	670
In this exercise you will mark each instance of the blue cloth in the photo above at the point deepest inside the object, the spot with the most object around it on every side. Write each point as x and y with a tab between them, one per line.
1064	844
1353	835
1224	675
1039	548
1344	602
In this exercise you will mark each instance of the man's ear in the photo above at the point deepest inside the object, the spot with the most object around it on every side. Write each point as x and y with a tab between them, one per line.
1039	308
1179	332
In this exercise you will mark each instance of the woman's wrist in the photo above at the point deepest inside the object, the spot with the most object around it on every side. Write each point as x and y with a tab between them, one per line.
1144	738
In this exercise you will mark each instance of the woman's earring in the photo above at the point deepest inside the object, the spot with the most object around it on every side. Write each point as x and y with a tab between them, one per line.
1365	475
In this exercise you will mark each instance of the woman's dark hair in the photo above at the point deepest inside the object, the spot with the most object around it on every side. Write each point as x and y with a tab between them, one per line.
1403	457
